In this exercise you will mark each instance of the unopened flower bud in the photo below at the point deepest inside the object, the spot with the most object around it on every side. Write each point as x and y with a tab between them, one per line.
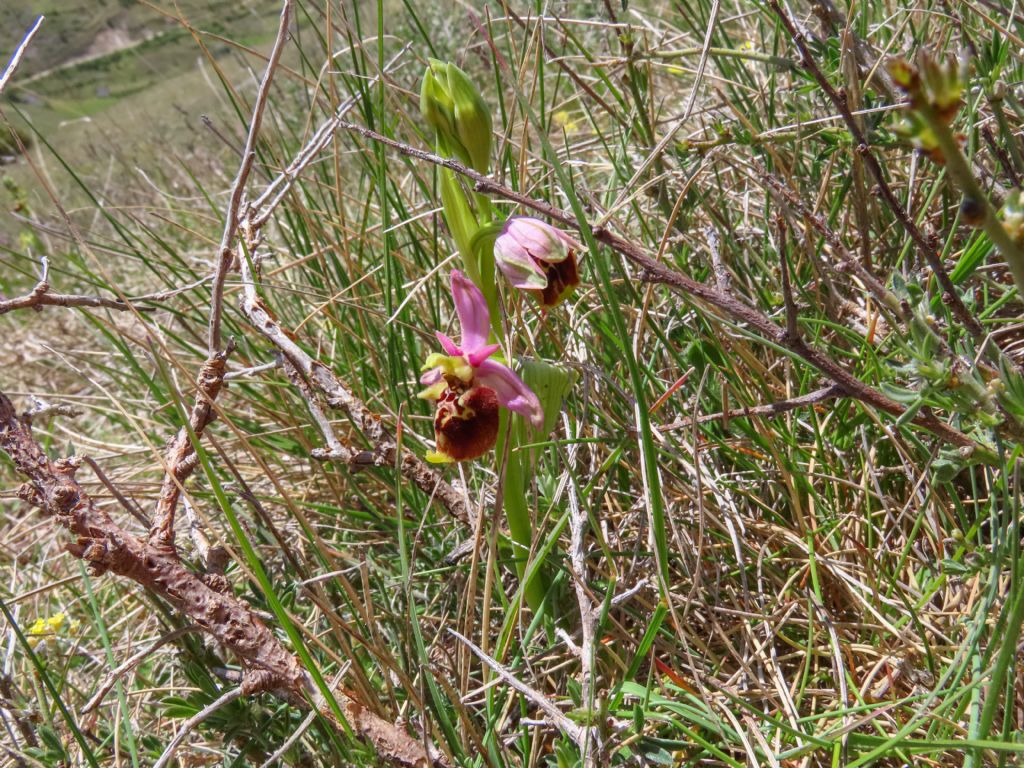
472	119
437	108
453	107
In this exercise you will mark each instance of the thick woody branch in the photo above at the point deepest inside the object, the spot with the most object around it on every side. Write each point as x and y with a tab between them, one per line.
99	540
181	457
106	546
656	272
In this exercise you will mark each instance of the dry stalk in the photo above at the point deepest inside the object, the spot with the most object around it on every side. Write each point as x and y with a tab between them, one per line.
591	748
12	65
225	253
41	296
558	718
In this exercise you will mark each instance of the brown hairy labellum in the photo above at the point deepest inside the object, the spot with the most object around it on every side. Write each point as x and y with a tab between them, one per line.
466	422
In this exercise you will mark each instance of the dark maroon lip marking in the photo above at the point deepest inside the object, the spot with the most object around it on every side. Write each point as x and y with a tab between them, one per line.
466	422
562	277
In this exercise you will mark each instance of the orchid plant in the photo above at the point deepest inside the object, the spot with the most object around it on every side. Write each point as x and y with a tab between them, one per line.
475	394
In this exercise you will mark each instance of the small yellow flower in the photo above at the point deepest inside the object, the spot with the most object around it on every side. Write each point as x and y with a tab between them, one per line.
47	629
563	120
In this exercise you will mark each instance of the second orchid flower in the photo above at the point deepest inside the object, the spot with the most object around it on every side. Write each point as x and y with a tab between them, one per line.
536	257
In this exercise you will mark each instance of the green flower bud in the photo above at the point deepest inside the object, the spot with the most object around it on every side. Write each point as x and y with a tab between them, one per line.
472	118
453	107
436	105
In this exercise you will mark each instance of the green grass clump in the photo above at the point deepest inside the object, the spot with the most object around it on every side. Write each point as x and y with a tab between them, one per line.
817	580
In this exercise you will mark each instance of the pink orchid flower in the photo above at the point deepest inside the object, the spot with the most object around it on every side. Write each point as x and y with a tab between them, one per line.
538	258
468	386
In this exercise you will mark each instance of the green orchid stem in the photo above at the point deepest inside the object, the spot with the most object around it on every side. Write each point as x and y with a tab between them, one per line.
517	512
959	170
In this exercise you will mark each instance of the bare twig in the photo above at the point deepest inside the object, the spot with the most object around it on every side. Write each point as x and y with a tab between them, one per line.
335	449
263	206
225	254
554	714
654	271
771	409
12	65
41	408
252	371
279	752
193	722
41	296
214	558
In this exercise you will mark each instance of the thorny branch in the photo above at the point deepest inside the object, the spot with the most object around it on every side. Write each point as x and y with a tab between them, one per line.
106	546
